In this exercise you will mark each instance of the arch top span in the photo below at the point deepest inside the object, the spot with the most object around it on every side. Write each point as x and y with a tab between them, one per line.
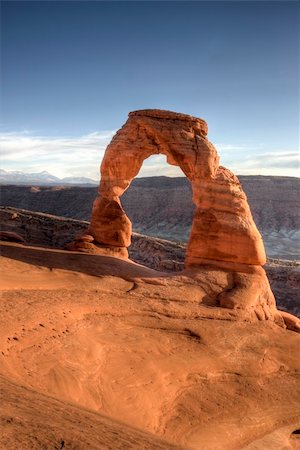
223	228
181	137
170	115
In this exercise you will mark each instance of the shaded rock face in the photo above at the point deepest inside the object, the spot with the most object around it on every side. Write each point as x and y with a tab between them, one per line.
223	228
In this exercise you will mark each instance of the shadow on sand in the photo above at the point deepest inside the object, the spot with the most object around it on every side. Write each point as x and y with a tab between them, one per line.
95	265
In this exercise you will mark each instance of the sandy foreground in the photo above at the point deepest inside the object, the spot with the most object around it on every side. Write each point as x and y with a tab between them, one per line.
100	353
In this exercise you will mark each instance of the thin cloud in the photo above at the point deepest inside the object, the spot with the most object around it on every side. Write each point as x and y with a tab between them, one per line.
157	165
233	147
18	144
81	156
269	163
59	155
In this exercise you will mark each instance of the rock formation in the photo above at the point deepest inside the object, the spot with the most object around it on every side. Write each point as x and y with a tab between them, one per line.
223	234
99	353
223	228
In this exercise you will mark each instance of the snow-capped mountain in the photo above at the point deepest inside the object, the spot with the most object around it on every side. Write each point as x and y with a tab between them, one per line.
40	178
78	180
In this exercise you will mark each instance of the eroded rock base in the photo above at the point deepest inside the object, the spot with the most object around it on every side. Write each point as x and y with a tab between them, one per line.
86	244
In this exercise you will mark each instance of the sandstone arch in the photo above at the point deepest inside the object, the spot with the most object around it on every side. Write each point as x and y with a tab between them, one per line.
225	246
223	228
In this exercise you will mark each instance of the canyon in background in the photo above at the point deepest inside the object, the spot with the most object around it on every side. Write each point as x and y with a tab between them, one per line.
162	207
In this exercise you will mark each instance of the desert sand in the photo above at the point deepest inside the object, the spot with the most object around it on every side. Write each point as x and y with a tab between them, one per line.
99	352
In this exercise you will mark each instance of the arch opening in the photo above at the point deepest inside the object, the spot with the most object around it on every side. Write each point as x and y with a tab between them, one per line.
159	205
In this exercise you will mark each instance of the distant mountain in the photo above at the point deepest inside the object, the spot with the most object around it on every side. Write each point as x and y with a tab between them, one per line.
78	180
41	178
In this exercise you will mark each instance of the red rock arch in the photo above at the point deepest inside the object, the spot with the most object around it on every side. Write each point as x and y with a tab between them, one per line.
223	228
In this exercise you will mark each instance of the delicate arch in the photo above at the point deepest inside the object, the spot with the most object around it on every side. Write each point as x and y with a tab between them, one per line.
223	228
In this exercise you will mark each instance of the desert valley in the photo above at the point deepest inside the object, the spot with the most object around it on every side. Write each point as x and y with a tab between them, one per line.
166	337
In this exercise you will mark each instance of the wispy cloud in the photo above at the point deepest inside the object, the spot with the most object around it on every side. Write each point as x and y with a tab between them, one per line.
81	156
68	156
268	163
276	159
234	147
157	165
63	156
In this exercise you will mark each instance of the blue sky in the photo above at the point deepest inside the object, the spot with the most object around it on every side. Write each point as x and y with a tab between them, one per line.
72	70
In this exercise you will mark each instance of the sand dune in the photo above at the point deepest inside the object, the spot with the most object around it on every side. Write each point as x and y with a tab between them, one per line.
102	353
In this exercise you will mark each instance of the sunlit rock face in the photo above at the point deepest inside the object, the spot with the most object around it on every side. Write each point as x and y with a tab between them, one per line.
223	228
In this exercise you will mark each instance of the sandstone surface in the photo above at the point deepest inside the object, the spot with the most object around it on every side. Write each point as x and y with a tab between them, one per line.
100	353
